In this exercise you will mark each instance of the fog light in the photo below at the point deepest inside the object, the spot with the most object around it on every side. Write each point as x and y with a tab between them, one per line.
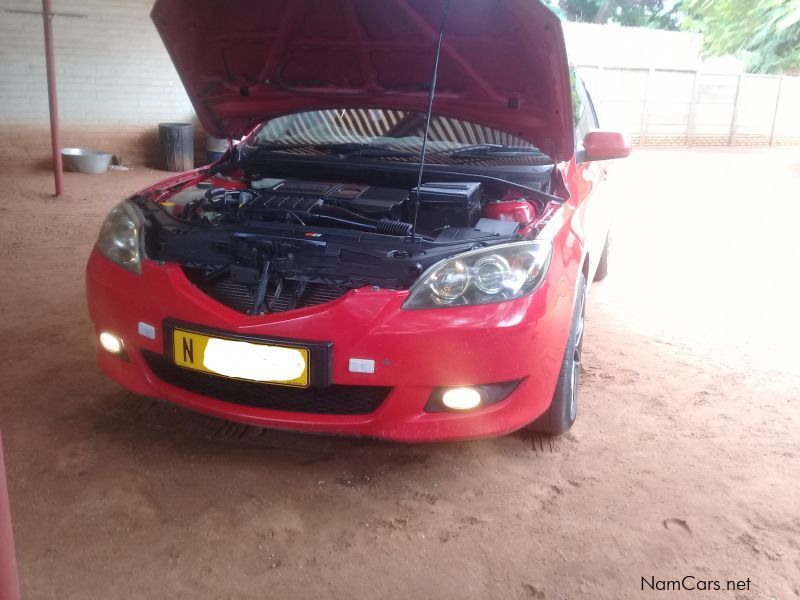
461	398
444	399
110	342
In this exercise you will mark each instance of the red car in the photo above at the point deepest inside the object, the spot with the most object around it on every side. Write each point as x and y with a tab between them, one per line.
323	277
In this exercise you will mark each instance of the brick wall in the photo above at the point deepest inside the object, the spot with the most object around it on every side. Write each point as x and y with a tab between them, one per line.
115	80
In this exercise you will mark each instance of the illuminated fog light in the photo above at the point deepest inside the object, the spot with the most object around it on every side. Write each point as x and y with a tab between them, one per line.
110	342
461	398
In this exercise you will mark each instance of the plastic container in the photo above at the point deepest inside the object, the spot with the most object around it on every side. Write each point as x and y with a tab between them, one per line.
215	148
444	204
176	146
83	160
513	210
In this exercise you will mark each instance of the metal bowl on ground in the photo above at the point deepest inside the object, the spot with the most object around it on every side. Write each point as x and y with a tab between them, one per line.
83	160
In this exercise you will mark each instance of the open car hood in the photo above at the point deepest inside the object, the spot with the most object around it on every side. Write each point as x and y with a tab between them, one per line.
503	62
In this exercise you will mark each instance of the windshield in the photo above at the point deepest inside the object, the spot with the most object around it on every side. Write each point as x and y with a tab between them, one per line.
450	140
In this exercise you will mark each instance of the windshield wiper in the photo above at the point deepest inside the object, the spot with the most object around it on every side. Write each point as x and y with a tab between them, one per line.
495	150
344	149
348	150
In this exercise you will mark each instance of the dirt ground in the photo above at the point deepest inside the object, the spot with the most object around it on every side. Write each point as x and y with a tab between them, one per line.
684	461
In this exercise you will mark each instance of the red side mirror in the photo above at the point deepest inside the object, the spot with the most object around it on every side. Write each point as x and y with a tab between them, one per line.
605	145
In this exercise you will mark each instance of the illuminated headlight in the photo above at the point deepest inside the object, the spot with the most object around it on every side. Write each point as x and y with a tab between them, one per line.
493	274
120	237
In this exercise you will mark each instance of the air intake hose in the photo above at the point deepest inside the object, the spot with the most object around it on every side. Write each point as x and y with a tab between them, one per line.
391	227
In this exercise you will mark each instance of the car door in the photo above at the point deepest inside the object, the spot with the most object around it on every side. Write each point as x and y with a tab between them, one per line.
593	215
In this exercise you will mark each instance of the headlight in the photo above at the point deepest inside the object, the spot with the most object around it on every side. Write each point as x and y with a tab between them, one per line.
482	276
451	281
120	237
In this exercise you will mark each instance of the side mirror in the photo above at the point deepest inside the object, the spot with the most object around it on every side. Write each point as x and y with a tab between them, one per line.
605	145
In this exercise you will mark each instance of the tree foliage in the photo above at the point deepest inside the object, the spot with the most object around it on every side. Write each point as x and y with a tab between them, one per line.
659	14
763	33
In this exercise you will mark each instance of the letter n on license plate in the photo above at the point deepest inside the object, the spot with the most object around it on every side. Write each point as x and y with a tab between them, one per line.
251	361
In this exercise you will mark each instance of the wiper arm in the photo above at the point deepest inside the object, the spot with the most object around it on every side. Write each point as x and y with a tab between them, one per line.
252	151
344	149
495	150
348	150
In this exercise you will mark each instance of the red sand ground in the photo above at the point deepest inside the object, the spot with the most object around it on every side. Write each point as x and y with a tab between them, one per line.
684	459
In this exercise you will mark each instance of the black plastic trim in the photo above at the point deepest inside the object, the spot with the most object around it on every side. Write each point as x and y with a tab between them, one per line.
330	400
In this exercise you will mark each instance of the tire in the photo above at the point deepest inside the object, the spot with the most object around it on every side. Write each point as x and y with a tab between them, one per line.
563	409
602	264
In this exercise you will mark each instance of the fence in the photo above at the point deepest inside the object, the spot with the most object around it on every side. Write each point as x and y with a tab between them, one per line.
670	107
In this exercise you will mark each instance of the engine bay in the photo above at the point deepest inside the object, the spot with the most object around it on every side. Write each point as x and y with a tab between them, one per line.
356	206
265	243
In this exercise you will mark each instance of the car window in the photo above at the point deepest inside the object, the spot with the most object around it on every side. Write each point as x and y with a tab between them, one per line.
583	114
590	109
577	101
378	125
397	132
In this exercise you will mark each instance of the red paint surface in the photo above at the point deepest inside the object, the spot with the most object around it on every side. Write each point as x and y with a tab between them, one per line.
9	582
247	61
605	145
414	351
519	211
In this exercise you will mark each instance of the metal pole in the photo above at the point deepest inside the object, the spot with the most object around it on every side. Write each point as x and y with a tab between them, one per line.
646	107
735	116
9	582
49	53
690	126
775	114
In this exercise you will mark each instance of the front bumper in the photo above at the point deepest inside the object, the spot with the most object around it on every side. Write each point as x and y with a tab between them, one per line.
414	351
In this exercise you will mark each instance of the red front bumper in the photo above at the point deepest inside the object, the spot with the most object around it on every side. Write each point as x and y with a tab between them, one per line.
414	351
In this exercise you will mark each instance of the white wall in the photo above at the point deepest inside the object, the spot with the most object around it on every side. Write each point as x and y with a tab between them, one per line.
115	80
617	46
672	107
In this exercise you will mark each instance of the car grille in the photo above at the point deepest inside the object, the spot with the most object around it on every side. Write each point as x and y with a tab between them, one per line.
294	294
331	400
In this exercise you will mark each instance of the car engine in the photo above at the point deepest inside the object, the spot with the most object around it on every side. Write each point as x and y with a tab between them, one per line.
361	207
265	244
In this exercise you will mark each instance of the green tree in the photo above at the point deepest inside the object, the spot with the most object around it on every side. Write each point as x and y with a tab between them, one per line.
763	33
659	14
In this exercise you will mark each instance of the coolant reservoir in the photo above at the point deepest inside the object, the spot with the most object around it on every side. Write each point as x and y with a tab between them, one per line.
510	210
188	194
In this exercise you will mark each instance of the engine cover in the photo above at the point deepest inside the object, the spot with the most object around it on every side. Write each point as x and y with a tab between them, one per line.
303	196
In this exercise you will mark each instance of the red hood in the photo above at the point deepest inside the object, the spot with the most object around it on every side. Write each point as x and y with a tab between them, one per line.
503	62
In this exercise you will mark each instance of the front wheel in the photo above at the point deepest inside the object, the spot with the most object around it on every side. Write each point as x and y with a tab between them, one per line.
564	408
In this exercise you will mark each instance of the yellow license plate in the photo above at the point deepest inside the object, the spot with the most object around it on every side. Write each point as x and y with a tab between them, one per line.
251	361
